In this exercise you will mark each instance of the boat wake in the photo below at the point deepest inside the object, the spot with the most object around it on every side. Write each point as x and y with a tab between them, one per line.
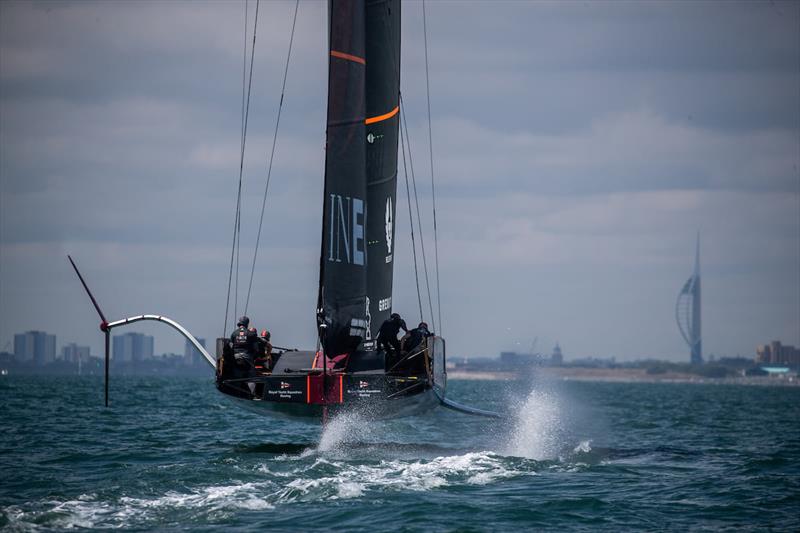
539	430
312	478
346	428
355	458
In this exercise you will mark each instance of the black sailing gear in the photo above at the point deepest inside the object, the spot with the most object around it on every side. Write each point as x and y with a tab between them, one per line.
245	344
387	335
416	336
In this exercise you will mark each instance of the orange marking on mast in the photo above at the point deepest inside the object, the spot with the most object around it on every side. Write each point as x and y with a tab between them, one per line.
385	116
349	57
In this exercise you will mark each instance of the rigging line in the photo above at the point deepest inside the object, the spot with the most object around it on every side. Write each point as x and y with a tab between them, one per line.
411	220
238	253
237	220
271	156
419	218
230	273
238	239
241	148
244	68
401	126
241	142
433	187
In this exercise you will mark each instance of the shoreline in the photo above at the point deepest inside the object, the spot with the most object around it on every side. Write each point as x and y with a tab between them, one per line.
624	375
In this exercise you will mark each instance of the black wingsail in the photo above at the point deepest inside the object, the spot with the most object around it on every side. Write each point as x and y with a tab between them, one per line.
343	260
382	122
357	257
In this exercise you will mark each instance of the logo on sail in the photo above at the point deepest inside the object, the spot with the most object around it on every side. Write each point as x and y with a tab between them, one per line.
346	230
389	227
368	335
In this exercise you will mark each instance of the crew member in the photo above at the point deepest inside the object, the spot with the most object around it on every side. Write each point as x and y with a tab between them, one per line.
387	335
263	361
245	344
265	340
416	336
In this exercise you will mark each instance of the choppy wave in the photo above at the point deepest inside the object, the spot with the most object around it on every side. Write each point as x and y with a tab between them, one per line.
309	475
317	477
633	463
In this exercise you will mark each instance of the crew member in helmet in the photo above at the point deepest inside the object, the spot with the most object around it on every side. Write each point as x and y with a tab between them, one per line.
245	344
265	340
387	334
416	336
263	360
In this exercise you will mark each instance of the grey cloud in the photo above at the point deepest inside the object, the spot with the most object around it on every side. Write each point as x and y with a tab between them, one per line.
579	146
635	151
544	66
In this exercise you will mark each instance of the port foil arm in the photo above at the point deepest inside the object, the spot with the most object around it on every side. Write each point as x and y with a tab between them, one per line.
174	325
466	409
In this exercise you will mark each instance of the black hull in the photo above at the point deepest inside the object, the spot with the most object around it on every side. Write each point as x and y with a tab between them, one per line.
368	384
376	409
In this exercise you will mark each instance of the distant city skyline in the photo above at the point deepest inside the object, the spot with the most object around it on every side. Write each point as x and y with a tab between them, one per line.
132	347
776	353
35	346
40	348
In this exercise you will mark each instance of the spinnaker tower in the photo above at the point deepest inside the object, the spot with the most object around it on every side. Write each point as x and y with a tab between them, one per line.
687	311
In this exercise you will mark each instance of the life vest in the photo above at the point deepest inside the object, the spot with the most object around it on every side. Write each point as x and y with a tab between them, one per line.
242	342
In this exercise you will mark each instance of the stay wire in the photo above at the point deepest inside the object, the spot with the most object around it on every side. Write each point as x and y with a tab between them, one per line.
411	221
241	147
433	187
271	157
244	68
237	220
419	217
230	275
236	225
396	66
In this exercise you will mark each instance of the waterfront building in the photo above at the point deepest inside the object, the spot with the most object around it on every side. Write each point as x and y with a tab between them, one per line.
35	347
776	353
133	347
191	355
516	360
687	311
762	355
72	353
557	358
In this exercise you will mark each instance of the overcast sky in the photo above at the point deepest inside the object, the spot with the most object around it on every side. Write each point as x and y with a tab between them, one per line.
578	148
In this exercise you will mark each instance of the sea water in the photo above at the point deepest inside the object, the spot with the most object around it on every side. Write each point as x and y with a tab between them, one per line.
175	454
